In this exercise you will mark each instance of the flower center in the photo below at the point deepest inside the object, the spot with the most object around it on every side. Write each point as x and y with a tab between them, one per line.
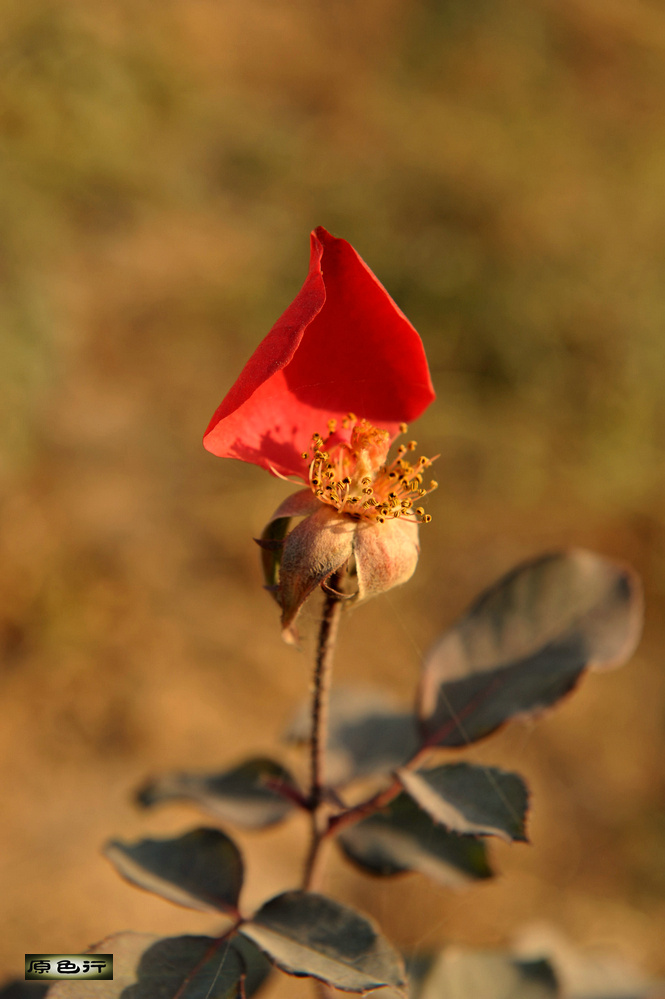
357	479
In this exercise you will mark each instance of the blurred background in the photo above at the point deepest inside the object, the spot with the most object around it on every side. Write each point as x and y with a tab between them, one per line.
500	165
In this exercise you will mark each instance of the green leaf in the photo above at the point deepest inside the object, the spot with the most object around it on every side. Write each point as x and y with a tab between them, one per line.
525	643
465	798
245	795
306	934
367	734
149	967
257	966
589	972
17	988
461	974
201	870
403	837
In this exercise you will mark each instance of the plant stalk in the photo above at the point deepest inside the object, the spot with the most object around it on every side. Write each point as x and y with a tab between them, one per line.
332	609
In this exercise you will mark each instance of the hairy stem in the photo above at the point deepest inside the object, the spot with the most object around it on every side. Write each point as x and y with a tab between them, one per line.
332	608
322	678
310	877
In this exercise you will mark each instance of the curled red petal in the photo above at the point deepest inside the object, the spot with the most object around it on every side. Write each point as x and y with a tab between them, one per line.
342	346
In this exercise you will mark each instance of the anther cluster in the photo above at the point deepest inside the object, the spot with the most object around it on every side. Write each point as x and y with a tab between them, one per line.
356	478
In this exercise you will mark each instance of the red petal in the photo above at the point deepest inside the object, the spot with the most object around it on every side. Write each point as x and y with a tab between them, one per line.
342	346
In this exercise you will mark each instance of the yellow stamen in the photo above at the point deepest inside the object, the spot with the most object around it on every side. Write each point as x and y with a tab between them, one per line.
361	481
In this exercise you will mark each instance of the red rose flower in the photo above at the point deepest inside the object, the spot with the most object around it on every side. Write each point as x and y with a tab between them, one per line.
341	348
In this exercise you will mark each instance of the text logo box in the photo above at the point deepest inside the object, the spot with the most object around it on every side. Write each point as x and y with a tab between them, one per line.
57	967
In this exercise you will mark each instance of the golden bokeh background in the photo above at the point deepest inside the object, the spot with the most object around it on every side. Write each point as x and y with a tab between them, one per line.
501	167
